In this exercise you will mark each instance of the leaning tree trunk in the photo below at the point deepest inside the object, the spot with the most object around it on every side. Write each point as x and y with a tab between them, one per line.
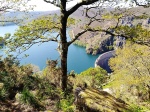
63	45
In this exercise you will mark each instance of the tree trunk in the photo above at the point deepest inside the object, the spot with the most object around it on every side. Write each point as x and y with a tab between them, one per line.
63	45
64	53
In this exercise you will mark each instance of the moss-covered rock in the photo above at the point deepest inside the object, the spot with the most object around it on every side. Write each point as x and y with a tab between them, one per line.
92	100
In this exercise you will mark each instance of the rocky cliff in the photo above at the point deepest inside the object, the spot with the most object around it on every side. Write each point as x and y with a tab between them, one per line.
97	42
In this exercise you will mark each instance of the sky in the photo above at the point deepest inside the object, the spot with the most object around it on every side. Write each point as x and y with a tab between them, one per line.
43	6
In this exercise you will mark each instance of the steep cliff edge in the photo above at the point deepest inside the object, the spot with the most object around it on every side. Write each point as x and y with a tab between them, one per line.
95	43
98	42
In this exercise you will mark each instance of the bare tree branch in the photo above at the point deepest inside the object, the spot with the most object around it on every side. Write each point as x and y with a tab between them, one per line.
86	2
54	2
146	5
95	30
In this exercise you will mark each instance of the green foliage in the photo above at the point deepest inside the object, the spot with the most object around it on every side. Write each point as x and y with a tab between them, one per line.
52	73
3	94
132	62
34	89
131	76
79	43
1	39
40	30
15	77
93	77
46	90
66	105
28	98
137	33
100	101
135	108
109	16
110	47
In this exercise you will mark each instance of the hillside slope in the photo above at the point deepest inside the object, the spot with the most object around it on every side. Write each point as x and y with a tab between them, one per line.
98	42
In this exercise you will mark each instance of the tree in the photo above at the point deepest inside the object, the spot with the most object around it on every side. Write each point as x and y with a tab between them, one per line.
131	72
60	27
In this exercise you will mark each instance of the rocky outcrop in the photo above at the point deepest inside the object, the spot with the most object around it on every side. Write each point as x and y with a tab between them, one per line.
92	100
119	42
127	21
104	44
97	42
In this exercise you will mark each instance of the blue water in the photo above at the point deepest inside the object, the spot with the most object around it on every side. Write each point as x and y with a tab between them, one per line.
78	60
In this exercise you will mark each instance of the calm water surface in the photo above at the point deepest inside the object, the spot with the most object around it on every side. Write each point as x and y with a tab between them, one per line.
78	60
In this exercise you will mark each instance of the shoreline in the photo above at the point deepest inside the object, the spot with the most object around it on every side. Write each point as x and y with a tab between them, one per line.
103	59
77	42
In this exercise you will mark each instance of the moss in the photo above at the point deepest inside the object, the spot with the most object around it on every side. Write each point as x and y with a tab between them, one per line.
102	101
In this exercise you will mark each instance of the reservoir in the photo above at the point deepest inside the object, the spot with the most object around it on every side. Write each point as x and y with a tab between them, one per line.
78	59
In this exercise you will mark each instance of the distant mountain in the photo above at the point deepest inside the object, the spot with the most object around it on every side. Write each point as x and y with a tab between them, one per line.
11	18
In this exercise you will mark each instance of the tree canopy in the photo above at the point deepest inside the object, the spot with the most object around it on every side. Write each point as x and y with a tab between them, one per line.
131	73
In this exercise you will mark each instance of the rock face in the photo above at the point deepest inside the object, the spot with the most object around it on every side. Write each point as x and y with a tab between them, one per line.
120	42
105	45
92	100
97	42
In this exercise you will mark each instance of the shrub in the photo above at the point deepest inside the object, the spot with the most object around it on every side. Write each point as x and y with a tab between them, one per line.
93	77
66	105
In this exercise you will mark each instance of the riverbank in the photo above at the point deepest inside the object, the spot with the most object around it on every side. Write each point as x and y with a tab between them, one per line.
103	59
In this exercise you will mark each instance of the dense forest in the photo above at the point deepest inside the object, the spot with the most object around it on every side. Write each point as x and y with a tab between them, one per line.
123	30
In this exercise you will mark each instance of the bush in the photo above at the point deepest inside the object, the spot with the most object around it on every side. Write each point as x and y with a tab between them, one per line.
66	105
16	79
92	77
28	98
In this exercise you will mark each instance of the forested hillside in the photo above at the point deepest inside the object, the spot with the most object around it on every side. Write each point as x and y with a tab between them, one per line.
100	42
25	88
